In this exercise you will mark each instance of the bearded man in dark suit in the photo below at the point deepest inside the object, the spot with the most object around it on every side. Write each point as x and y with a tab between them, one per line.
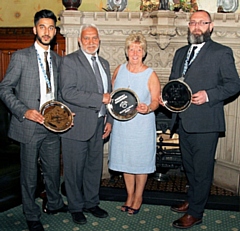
212	77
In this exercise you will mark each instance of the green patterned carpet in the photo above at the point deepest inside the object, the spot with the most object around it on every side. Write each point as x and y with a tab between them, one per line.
150	218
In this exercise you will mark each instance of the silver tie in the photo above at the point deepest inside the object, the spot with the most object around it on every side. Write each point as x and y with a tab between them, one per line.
99	83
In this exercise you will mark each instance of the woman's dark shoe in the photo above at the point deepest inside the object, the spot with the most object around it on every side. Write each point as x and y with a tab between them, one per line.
125	208
132	211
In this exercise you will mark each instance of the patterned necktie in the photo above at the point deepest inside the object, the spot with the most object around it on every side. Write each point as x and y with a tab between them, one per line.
48	89
99	83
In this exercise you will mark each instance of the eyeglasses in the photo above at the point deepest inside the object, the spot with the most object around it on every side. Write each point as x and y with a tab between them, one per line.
200	23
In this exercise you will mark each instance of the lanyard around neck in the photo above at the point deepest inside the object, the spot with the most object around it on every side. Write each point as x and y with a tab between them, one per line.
186	64
43	69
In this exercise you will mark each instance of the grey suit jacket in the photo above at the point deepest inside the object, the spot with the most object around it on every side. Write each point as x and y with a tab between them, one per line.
20	90
213	70
79	91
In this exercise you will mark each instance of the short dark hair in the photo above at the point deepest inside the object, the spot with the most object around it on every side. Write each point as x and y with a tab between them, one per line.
44	14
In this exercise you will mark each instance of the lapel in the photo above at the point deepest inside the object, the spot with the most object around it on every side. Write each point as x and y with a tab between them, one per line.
202	53
85	63
34	76
82	59
196	65
182	56
33	62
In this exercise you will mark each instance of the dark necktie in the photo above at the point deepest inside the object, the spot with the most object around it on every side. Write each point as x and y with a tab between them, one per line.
47	70
99	83
191	55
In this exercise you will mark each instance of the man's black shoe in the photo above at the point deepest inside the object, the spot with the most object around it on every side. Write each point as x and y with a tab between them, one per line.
35	226
79	218
97	212
63	209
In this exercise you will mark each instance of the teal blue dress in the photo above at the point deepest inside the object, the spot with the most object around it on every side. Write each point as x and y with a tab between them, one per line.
132	147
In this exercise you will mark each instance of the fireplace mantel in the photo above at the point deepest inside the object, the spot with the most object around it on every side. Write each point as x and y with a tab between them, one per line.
165	31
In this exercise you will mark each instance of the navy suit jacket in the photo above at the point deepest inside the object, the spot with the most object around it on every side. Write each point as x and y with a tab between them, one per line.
79	91
20	90
214	71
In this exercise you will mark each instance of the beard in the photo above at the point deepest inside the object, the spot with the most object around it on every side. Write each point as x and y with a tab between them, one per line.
198	39
89	49
41	41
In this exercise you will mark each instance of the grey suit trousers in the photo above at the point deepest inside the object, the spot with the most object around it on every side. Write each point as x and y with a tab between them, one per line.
46	146
83	162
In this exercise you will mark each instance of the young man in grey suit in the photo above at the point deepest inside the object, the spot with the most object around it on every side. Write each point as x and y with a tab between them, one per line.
82	145
212	77
24	89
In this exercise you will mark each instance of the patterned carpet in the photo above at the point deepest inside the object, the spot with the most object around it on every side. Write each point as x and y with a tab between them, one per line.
150	218
167	189
221	214
173	180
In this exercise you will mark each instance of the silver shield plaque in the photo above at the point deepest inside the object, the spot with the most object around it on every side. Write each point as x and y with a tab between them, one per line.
123	104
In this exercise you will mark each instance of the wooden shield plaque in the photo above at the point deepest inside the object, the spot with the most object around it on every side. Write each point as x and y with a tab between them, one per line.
58	117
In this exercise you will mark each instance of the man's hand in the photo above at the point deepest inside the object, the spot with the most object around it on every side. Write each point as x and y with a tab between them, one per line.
200	97
34	115
160	101
106	98
73	114
107	130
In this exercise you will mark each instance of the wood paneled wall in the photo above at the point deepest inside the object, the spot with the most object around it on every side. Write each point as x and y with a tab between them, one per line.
13	39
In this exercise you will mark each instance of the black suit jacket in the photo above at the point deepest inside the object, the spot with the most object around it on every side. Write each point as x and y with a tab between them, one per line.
214	71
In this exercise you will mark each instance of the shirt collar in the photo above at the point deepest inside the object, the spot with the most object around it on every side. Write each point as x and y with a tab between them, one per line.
199	46
40	49
89	56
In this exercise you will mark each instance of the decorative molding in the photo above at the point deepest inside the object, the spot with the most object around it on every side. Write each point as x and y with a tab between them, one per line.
165	31
163	28
69	32
227	175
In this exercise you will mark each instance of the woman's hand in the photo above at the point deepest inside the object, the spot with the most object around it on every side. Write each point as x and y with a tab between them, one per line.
143	108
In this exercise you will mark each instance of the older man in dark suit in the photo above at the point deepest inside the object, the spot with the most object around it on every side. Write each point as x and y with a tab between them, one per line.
211	75
85	86
24	89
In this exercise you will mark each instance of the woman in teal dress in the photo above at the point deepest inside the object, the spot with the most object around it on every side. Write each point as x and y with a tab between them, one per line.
133	142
